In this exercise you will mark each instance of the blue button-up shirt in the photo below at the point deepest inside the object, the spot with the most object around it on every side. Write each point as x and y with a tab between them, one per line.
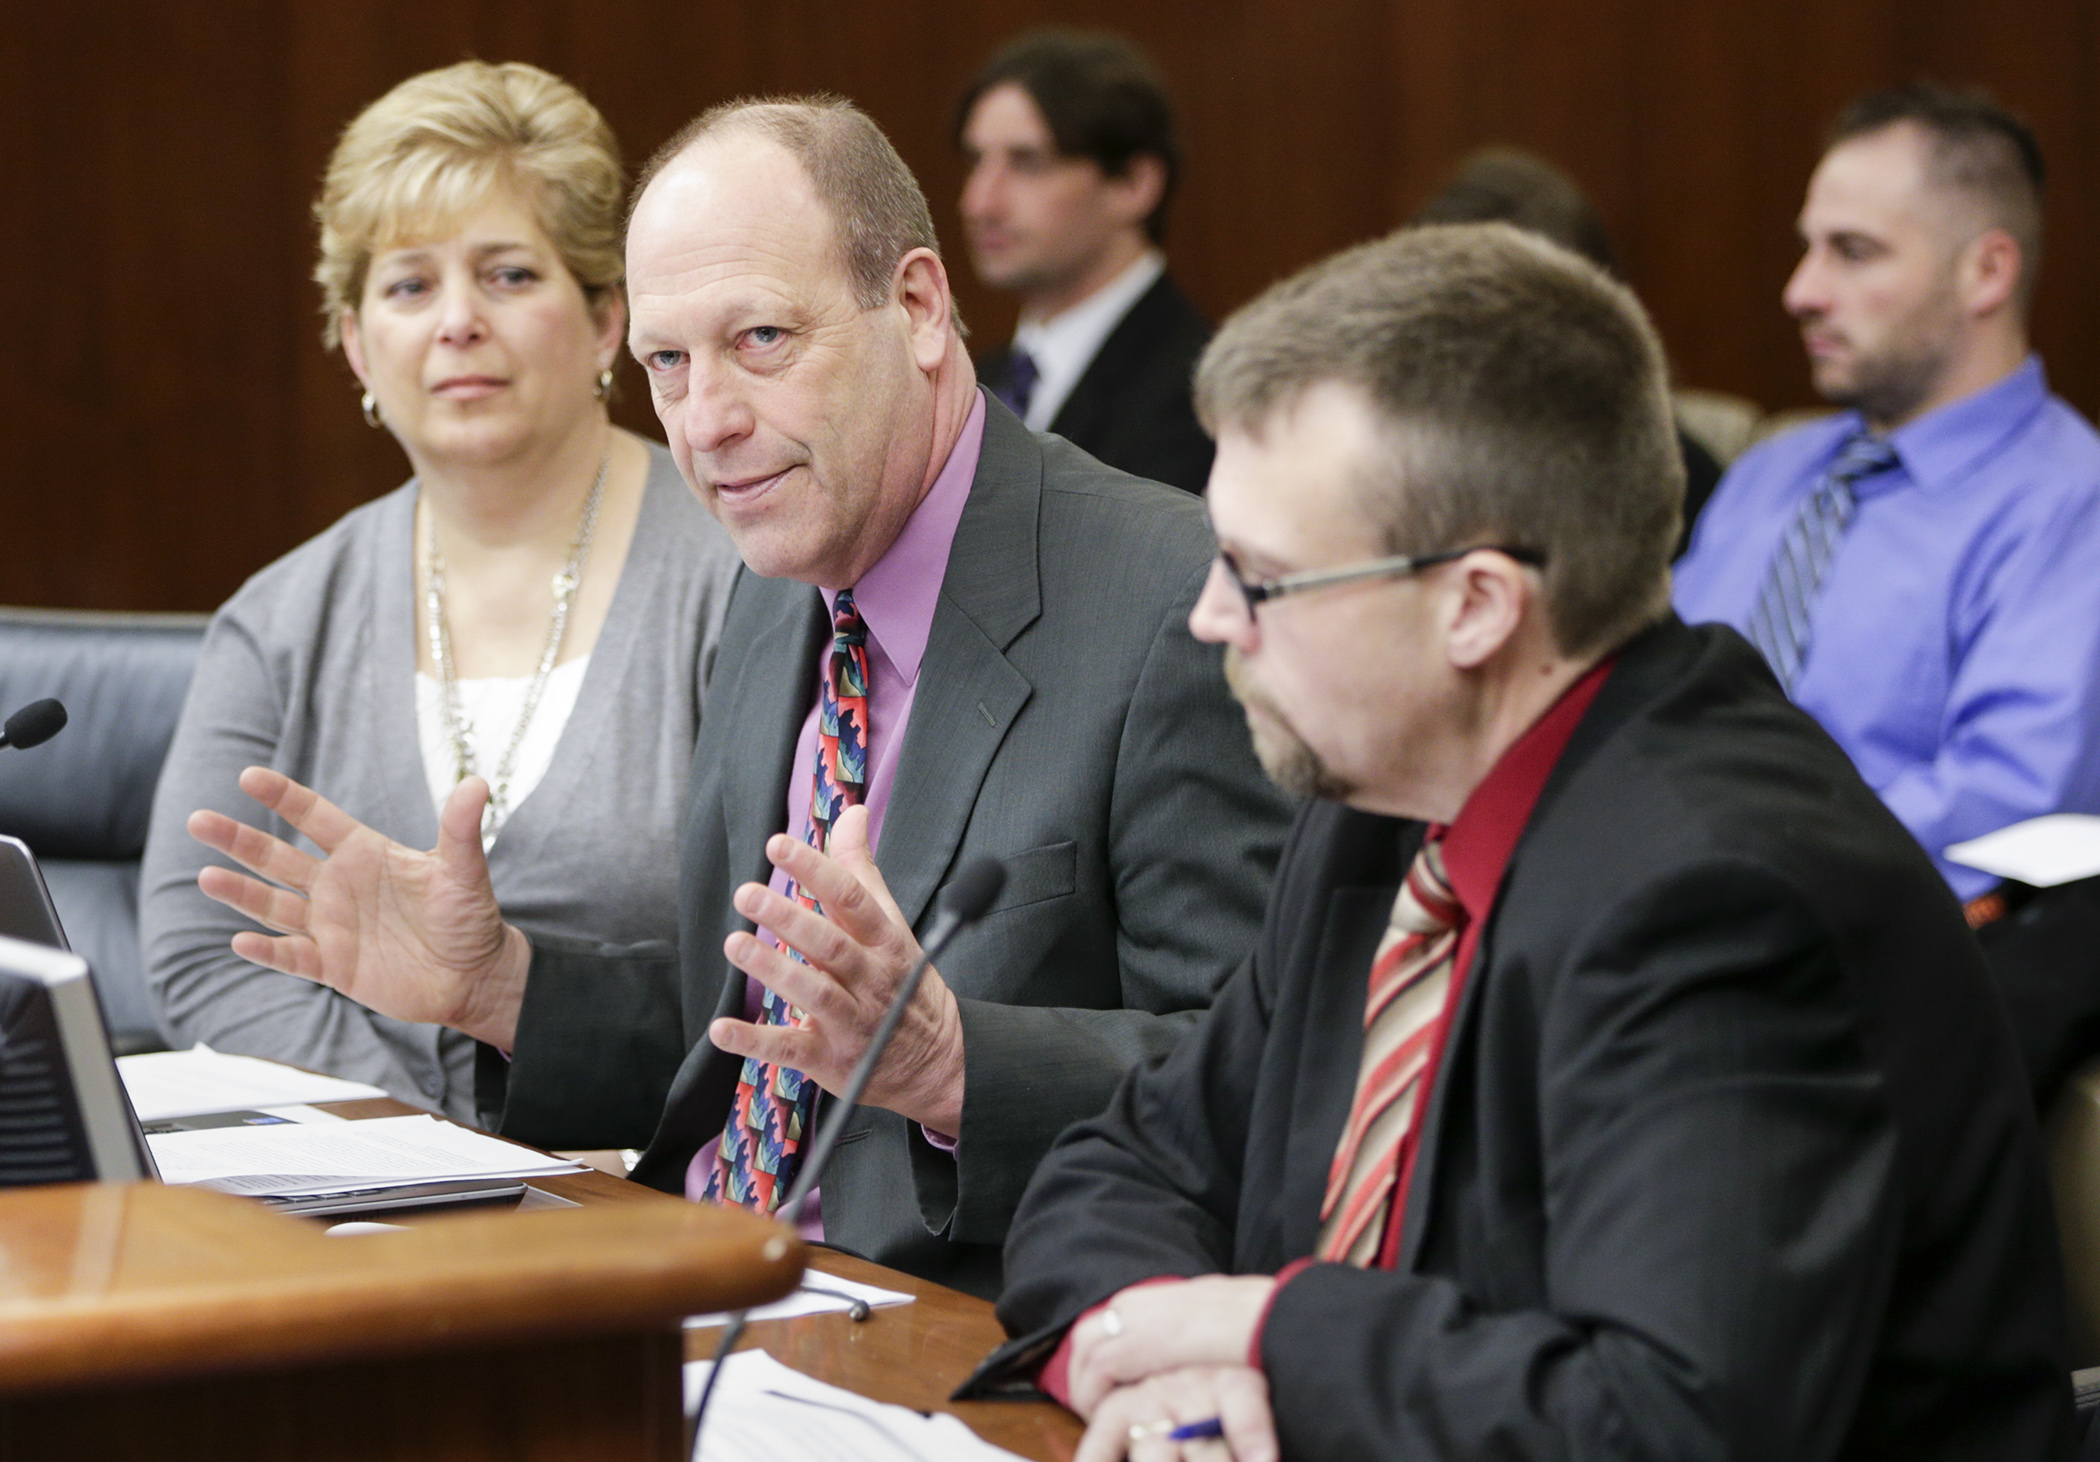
1955	646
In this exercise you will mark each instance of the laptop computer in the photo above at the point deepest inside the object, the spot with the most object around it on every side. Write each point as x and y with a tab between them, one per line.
65	1116
26	910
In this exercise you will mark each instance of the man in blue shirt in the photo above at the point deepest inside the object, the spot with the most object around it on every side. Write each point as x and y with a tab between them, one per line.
1923	570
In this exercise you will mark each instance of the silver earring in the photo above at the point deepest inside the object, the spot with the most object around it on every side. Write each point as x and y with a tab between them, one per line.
371	409
604	384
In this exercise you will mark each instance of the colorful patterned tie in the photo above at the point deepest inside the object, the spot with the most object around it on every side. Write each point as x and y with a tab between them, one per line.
762	1142
1779	625
1410	980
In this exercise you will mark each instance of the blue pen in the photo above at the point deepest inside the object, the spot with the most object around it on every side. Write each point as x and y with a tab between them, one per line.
1198	1431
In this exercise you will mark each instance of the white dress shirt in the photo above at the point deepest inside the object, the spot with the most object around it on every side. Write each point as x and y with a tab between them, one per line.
1064	345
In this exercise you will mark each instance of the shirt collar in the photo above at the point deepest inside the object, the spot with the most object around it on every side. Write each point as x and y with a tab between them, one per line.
898	595
1065	342
1943	447
1480	840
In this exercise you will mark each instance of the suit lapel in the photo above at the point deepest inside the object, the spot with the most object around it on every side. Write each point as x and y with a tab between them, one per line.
1653	654
968	693
1326	1085
776	683
1421	1189
1099	394
780	628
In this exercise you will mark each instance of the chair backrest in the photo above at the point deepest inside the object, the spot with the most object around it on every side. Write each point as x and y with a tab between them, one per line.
82	800
88	792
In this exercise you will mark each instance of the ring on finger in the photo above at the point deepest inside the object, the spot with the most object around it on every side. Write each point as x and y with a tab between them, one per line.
1145	1431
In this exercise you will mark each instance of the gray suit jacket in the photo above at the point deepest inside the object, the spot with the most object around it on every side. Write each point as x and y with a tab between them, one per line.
1065	722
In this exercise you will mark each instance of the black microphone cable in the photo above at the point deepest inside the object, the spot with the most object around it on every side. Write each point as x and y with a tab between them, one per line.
963	903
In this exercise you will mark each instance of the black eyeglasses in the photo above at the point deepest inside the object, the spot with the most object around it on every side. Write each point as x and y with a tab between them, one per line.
1398	566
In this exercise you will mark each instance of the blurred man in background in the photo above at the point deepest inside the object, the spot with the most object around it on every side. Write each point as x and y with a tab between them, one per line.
1069	139
1919	570
1504	185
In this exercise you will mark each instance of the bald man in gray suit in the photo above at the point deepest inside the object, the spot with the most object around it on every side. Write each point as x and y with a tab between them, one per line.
1047	706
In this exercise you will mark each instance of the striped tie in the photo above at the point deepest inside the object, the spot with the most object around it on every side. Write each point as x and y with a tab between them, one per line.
1780	624
762	1142
1410	980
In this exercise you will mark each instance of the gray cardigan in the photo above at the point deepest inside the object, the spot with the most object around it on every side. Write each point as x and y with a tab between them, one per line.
310	669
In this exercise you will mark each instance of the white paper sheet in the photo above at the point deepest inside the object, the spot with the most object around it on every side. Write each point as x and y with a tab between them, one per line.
301	1159
190	1083
764	1411
2043	851
832	1295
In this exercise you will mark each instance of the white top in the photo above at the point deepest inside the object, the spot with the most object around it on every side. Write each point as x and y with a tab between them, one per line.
1064	345
490	708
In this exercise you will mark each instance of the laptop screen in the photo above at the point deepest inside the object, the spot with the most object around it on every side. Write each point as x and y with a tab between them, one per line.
26	911
64	1115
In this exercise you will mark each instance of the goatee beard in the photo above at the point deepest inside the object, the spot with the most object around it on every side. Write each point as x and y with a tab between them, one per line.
1291	764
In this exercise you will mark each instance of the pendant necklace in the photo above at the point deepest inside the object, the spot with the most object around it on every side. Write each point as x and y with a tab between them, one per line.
457	733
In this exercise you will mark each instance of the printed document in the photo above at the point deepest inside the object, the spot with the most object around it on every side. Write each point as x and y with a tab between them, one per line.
764	1411
2042	851
191	1083
297	1160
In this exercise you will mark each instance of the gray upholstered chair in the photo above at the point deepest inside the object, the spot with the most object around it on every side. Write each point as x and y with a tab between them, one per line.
82	799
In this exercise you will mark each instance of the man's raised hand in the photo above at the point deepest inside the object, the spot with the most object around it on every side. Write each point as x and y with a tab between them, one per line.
413	935
859	950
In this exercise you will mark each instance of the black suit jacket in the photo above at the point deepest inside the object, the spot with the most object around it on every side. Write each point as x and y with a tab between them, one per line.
1729	1156
1064	721
1132	407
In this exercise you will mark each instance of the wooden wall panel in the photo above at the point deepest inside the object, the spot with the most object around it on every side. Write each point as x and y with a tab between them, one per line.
169	422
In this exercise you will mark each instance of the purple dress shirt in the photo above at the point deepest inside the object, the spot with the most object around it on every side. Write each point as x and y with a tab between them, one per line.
897	598
1954	650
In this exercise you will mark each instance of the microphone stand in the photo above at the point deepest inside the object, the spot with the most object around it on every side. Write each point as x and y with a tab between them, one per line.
963	903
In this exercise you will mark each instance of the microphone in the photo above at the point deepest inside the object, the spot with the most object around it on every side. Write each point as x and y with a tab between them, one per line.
34	724
962	903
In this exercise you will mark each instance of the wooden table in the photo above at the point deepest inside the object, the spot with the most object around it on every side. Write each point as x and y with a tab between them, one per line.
911	1354
142	1323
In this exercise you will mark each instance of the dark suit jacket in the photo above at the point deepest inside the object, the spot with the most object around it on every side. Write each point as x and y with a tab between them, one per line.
1132	407
1702	474
1729	1156
1064	721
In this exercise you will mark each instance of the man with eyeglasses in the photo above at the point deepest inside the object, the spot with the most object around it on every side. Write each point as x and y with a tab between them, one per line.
1613	1076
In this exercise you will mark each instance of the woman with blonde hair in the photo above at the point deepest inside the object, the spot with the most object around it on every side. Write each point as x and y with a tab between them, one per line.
536	606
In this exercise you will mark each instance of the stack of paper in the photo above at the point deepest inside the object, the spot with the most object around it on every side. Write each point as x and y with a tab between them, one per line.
294	1160
764	1411
2043	851
190	1083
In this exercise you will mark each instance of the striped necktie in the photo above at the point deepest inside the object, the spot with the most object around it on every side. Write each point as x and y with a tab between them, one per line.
762	1142
1410	981
1780	624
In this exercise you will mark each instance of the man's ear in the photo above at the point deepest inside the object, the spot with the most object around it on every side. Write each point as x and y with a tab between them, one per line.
1988	272
1489	594
1138	188
920	289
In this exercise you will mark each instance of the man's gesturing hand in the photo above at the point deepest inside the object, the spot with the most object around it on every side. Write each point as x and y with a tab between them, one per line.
859	950
413	935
